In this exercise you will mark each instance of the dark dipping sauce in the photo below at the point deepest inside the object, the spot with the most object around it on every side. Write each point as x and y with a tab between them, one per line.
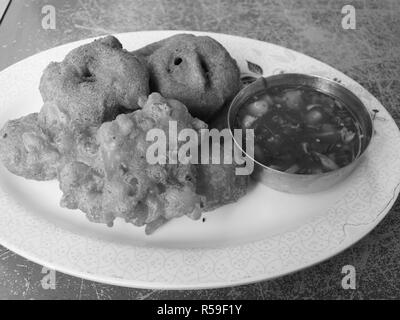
301	131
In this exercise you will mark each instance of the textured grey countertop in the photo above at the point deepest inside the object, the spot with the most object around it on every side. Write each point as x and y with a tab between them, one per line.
370	54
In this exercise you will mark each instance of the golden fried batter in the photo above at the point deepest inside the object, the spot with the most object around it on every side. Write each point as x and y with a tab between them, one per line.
198	71
219	184
93	84
26	150
29	151
127	186
84	136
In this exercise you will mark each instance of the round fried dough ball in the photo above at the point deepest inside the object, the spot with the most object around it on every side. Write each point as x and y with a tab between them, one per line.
94	83
198	71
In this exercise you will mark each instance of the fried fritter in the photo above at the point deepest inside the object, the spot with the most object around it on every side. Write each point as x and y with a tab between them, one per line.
198	71
128	186
85	137
26	150
93	84
219	185
29	151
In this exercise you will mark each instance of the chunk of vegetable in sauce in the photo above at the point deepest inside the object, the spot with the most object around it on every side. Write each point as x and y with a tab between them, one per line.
301	131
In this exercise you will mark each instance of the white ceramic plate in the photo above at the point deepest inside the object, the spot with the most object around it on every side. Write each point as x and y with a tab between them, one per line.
265	235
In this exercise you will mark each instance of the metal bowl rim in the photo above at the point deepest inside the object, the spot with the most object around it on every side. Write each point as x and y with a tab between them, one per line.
324	174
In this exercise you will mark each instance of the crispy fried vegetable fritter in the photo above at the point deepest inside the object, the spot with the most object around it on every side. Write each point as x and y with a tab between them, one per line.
93	84
219	184
26	150
91	131
127	186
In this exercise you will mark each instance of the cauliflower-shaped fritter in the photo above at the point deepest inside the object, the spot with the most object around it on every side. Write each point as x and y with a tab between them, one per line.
127	186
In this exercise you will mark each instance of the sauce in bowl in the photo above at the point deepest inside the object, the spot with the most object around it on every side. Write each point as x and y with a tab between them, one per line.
300	130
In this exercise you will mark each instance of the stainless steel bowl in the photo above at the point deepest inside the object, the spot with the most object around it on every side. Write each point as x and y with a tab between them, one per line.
304	183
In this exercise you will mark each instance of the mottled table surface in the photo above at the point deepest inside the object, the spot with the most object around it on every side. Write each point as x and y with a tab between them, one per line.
369	54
